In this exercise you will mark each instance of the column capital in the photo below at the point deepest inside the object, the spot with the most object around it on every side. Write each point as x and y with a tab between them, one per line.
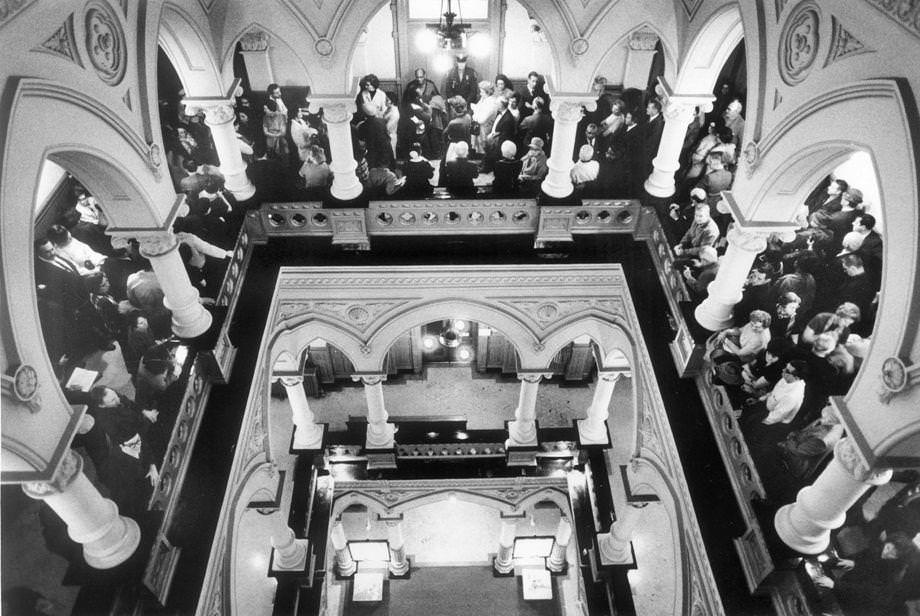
70	467
369	379
666	93
157	244
221	113
291	380
568	108
610	377
533	377
748	239
336	109
847	454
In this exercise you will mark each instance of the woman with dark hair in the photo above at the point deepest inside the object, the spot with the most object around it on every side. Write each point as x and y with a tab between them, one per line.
371	101
502	83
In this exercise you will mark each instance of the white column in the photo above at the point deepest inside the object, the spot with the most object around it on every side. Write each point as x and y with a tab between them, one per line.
593	429
504	561
678	111
337	112
108	539
522	431
379	432
806	524
290	553
343	560
307	435
715	312
614	545
557	561
219	119
399	564
566	113
189	318
640	52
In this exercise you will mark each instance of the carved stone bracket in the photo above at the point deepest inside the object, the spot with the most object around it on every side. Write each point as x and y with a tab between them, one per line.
569	108
534	377
157	244
71	465
291	381
642	40
849	457
254	40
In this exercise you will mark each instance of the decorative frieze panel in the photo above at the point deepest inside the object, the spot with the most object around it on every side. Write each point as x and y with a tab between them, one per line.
62	43
905	12
843	43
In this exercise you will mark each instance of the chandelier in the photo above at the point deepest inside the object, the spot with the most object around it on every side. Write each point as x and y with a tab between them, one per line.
450	35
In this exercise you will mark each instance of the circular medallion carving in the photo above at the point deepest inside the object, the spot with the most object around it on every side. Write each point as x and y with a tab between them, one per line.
894	374
358	314
105	43
25	383
547	311
799	43
579	46
323	47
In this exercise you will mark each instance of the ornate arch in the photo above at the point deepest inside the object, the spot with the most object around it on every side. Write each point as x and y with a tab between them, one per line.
226	61
670	55
190	51
295	339
709	50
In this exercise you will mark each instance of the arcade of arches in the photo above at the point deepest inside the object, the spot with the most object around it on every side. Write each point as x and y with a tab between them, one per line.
539	307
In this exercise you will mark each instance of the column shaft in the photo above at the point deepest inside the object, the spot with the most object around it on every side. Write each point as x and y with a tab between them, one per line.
557	561
220	119
399	564
379	432
677	116
189	318
593	429
567	113
307	435
343	560
715	312
108	538
806	524
337	115
504	561
523	430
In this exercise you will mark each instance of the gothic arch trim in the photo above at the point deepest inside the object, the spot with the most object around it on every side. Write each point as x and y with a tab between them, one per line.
190	53
670	55
226	63
707	53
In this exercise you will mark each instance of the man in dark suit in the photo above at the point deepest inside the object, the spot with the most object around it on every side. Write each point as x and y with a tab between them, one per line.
533	89
871	248
462	80
831	202
651	134
593	137
503	129
632	156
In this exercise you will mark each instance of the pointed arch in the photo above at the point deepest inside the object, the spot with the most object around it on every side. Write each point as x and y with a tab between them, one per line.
190	51
670	55
709	50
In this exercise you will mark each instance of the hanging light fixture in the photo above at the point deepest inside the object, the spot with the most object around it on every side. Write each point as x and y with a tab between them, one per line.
450	34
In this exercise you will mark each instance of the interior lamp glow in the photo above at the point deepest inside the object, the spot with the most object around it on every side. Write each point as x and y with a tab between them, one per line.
442	63
465	354
460	325
479	44
426	41
429	343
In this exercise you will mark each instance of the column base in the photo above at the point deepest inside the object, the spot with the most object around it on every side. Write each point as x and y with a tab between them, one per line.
659	185
241	192
522	434
401	571
592	434
347	572
609	553
358	202
712	316
192	325
380	438
560	568
546	200
500	569
298	569
310	442
115	547
816	544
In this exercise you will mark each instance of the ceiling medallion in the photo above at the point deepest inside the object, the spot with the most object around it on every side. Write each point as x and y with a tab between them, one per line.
105	43
799	43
